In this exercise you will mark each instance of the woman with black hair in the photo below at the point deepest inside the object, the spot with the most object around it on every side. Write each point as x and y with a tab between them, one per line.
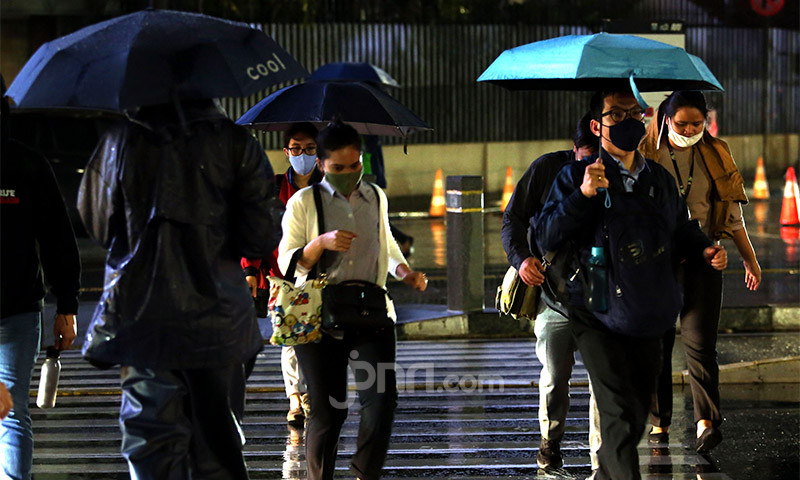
712	186
356	246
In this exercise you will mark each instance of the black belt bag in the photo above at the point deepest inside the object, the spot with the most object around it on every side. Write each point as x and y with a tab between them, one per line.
355	305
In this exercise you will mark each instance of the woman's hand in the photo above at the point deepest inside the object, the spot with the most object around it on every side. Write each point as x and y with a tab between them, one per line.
416	280
337	240
752	274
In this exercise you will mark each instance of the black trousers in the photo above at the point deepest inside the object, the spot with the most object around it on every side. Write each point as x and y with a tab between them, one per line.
180	424
623	371
702	290
371	356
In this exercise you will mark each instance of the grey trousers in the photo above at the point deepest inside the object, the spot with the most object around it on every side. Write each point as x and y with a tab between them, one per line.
555	349
293	380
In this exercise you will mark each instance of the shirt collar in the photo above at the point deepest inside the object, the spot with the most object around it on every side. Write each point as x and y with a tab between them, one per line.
639	164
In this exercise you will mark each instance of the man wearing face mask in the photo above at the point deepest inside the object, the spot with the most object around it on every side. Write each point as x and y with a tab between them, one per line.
620	341
300	148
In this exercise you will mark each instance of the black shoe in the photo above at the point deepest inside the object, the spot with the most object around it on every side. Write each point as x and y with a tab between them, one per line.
710	438
549	456
658	438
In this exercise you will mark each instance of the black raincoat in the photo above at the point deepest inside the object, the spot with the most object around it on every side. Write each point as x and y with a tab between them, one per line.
178	199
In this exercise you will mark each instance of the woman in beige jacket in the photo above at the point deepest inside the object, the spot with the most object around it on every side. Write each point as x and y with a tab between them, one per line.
712	186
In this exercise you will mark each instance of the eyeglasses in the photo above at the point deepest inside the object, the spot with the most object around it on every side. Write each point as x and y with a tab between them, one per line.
298	150
619	115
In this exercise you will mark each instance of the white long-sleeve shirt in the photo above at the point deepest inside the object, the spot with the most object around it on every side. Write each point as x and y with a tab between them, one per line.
300	227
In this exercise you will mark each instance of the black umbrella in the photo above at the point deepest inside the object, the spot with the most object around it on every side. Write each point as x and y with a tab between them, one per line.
152	57
354	72
368	109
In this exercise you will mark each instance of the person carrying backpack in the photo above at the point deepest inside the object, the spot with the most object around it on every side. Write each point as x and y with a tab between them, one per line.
555	345
630	228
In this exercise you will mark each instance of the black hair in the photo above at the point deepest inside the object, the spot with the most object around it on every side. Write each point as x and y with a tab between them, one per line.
677	100
583	136
336	136
684	98
305	128
596	103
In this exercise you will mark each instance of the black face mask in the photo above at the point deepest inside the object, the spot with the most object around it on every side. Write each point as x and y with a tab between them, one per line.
626	134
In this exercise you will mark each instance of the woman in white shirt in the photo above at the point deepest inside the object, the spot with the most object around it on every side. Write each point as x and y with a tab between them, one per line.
357	244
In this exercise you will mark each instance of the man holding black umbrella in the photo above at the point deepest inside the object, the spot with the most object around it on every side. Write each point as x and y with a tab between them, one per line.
630	228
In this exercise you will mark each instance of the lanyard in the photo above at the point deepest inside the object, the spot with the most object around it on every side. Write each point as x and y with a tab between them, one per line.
684	190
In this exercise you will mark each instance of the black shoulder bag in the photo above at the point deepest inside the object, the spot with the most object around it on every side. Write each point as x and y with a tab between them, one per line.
353	304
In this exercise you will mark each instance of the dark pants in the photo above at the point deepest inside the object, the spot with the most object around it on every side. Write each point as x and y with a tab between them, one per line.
371	356
699	323
623	372
179	424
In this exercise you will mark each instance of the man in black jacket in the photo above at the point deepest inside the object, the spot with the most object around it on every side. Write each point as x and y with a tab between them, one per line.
178	196
622	354
36	237
555	346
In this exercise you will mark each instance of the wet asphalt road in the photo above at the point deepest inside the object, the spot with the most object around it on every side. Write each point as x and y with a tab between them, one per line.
471	413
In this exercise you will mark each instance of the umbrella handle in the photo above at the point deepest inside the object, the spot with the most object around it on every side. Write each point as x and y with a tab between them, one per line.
636	93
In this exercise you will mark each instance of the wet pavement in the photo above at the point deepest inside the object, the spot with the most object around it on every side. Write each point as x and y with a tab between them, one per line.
467	409
777	249
476	430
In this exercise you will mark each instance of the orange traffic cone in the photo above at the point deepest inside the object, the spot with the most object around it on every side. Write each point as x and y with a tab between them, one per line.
508	190
437	202
760	187
791	200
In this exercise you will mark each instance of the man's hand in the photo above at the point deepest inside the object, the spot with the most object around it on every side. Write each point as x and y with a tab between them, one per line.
530	271
65	329
252	282
416	280
716	256
337	240
6	402
594	177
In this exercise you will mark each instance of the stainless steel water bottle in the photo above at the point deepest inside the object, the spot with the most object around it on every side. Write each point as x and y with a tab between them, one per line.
598	281
48	381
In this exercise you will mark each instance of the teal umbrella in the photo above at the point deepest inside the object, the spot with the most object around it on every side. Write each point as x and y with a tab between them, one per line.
600	62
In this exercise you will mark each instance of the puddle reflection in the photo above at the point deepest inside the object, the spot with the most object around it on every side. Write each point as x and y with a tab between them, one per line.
294	454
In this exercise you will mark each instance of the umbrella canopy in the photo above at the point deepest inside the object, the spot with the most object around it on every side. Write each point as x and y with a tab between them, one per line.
599	62
367	108
152	57
354	72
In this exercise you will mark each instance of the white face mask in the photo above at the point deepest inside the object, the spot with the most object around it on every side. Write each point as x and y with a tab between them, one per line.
684	142
303	164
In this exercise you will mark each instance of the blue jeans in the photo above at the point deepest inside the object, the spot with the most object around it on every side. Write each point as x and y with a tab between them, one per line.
19	347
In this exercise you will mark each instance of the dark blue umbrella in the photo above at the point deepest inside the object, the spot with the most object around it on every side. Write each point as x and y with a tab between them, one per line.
354	72
152	57
368	109
599	62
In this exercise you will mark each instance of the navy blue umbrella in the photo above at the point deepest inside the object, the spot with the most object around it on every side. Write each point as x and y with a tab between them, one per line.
368	109
354	72
152	57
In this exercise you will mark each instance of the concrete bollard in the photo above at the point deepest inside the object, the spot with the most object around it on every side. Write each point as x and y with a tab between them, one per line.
464	202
